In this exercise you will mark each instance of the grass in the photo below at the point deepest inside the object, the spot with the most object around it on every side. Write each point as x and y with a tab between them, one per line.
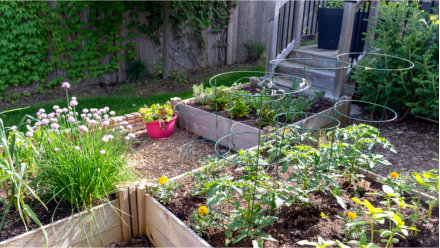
120	104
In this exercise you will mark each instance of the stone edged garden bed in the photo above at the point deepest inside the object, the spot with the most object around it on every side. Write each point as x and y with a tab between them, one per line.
75	230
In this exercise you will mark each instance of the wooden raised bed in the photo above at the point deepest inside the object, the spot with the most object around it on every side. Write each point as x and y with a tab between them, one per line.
210	126
75	230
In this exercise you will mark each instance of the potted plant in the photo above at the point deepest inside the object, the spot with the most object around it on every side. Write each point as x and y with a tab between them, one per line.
329	24
159	120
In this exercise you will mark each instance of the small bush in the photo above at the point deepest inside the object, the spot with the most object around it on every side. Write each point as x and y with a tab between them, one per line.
402	30
255	50
137	69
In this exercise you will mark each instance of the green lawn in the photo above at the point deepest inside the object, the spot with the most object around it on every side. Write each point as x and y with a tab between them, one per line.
120	104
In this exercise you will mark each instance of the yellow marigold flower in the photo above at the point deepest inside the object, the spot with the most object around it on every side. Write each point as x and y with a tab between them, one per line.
351	215
203	210
394	175
162	180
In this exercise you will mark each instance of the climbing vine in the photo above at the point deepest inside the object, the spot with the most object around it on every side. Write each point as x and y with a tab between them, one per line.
84	39
23	43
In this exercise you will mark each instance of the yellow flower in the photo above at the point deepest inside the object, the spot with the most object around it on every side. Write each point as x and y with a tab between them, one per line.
394	175
351	215
323	215
162	180
203	210
202	169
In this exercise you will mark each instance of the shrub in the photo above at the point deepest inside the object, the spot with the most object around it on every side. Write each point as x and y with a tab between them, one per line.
82	157
402	30
137	69
254	49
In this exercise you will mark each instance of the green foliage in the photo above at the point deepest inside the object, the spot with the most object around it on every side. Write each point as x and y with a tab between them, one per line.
164	191
15	177
157	113
77	162
240	109
179	78
335	4
23	43
402	30
137	69
203	95
254	49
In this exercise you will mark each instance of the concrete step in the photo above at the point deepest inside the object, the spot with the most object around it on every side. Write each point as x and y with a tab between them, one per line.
314	56
285	83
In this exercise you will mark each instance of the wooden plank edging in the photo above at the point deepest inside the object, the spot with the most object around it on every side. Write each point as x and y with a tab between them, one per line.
73	231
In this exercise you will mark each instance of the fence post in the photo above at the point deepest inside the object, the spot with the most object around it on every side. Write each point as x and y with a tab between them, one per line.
350	9
298	22
272	42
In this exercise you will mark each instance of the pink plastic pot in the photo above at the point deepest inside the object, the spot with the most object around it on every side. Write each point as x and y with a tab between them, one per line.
157	131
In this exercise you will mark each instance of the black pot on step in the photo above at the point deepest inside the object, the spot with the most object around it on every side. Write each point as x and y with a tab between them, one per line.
329	27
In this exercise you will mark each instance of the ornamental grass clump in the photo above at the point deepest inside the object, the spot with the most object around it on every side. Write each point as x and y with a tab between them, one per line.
81	155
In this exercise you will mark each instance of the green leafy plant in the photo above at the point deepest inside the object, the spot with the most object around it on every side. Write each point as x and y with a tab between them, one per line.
239	110
203	95
179	78
401	29
81	158
137	69
157	113
202	220
164	191
13	96
14	175
322	243
255	50
335	4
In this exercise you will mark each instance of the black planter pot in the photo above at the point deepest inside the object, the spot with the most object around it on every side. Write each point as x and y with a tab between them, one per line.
329	27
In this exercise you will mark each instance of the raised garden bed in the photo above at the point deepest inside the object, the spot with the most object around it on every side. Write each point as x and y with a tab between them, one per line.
79	230
295	224
213	127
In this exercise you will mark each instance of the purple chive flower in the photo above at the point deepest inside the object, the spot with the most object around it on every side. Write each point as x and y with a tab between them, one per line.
41	111
57	149
54	126
43	116
110	137
104	139
54	120
129	127
83	116
102	152
83	128
65	85
131	135
56	107
24	146
112	113
105	123
14	128
85	111
65	110
71	119
44	122
28	121
73	103
49	141
29	134
118	119
127	138
77	148
73	98
34	128
124	123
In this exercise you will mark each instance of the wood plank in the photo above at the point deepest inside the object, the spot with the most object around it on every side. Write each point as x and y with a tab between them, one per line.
164	229
74	230
133	211
124	206
140	194
345	41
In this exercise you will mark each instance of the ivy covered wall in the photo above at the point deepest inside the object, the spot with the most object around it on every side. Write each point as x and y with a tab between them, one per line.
45	43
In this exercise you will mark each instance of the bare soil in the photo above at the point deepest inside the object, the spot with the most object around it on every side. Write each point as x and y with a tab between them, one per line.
154	158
